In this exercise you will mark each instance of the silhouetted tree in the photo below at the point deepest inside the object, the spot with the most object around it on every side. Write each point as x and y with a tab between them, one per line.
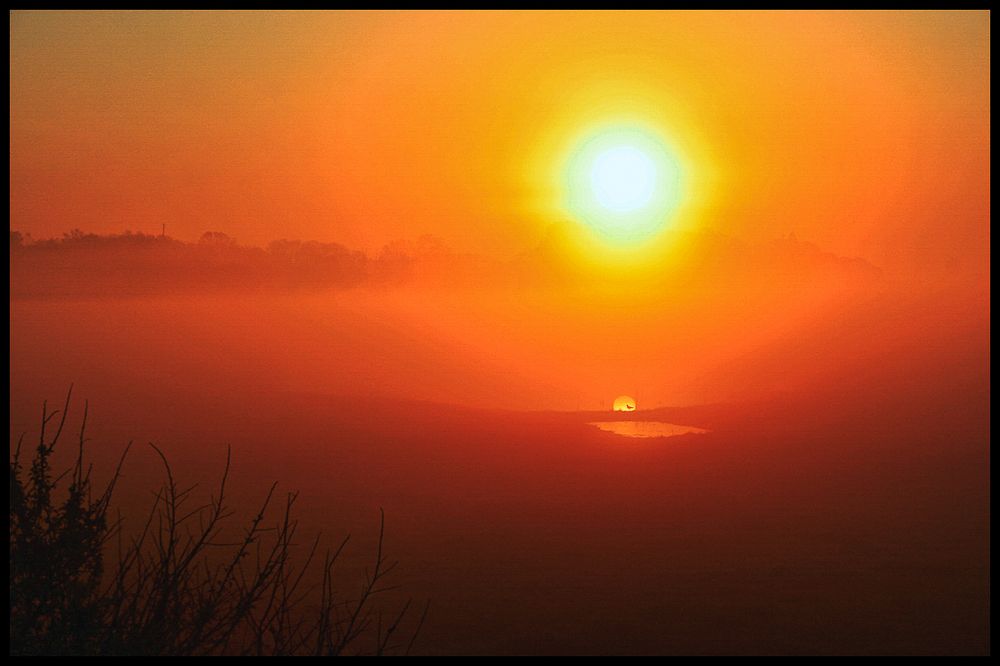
217	239
163	594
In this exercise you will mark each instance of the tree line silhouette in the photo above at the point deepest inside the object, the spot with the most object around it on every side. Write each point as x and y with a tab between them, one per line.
129	263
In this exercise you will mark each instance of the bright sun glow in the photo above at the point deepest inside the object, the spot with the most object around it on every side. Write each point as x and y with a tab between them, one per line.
624	403
623	179
623	182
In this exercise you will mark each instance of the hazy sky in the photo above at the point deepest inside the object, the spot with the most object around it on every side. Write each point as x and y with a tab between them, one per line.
867	133
460	194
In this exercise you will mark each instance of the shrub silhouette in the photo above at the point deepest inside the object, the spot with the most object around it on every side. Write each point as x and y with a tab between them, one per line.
174	587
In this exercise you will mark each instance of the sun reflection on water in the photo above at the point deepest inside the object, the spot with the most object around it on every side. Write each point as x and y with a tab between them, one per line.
646	428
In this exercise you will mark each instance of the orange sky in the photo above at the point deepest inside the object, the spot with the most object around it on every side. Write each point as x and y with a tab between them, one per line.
866	134
807	279
858	131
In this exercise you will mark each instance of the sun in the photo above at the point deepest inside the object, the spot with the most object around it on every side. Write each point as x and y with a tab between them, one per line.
623	179
623	182
624	403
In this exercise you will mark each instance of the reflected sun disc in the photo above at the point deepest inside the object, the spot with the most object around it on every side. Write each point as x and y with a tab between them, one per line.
624	403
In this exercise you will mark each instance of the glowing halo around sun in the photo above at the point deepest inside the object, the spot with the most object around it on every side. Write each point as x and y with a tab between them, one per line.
623	182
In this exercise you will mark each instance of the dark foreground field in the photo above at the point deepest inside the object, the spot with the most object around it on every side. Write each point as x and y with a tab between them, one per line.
813	525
